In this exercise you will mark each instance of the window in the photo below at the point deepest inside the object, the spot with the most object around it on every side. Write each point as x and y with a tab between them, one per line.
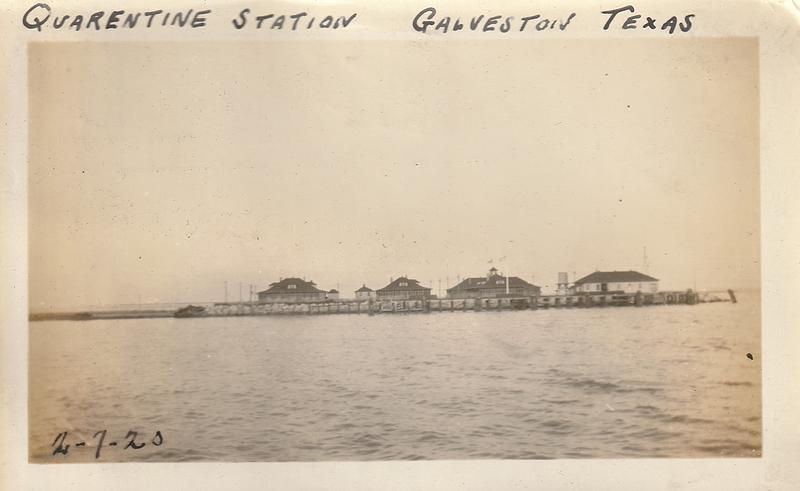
403	283
292	287
500	282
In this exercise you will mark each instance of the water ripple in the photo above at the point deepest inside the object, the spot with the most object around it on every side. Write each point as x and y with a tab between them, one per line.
577	383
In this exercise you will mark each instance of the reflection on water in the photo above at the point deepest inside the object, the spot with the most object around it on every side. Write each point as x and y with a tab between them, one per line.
616	382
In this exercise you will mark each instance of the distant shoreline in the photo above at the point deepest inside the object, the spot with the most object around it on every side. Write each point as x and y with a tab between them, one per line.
83	316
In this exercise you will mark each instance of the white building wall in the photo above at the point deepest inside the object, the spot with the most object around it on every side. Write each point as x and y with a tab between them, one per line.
633	287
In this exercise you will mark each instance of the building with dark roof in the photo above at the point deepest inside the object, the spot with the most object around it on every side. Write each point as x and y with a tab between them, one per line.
493	285
403	288
365	293
292	290
616	282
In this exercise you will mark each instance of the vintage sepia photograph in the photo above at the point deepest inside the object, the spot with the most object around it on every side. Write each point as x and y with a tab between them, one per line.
305	251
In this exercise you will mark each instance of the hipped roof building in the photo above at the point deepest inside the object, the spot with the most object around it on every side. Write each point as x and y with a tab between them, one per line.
493	285
292	290
404	288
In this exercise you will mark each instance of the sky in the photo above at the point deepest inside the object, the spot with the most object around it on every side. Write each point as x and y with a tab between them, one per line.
160	171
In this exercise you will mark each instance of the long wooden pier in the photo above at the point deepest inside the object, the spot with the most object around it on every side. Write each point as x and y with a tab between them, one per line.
381	307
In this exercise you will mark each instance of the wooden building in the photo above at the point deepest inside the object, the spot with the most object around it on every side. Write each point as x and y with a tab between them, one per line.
292	290
403	288
365	293
616	282
493	285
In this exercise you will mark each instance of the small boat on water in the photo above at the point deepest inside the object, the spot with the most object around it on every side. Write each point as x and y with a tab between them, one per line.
190	311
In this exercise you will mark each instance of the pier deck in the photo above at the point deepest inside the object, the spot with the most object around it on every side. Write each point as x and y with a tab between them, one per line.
380	307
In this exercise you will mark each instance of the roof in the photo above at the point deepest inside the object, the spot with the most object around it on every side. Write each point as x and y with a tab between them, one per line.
615	277
409	285
301	286
491	282
364	289
333	291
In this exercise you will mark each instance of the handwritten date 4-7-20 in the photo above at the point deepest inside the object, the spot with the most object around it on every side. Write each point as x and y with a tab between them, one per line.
132	440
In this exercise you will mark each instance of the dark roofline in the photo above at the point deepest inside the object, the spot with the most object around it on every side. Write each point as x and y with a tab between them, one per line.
395	285
629	276
281	287
472	283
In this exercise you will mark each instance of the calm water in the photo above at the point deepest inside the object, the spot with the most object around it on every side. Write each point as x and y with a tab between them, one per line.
616	382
